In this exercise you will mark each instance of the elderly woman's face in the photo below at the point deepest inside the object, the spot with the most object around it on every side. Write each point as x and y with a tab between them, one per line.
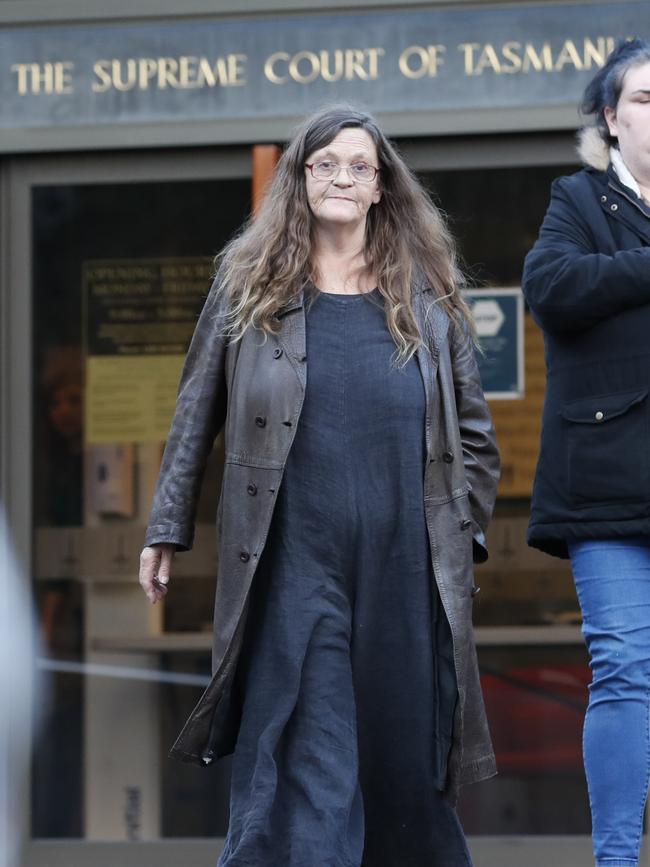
630	120
344	198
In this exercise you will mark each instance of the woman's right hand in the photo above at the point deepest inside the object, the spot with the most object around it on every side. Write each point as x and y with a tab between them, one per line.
155	570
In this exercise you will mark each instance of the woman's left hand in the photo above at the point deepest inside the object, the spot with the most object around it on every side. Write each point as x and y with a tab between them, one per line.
155	570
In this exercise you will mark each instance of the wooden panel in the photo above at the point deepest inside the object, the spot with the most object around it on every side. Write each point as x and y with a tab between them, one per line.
265	159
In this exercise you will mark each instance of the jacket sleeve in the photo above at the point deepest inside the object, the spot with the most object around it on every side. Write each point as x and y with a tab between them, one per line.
568	285
480	453
199	416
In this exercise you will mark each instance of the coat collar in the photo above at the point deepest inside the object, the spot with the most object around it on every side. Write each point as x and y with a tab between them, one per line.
616	195
431	318
595	154
294	303
298	299
614	183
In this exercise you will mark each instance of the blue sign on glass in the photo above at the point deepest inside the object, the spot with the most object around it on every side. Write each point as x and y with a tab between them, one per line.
499	317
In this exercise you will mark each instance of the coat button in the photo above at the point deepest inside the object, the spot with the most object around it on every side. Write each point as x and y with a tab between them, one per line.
614	207
277	352
603	198
260	421
599	416
447	457
244	556
475	590
465	524
252	489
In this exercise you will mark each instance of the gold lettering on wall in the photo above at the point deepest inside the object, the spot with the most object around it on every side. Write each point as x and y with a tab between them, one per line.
541	61
48	78
416	61
181	73
304	67
270	71
338	64
236	65
488	59
569	54
512	61
307	66
373	61
596	55
517	57
468	49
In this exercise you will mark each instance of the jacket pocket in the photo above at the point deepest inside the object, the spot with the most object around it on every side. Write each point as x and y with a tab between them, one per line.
607	448
450	534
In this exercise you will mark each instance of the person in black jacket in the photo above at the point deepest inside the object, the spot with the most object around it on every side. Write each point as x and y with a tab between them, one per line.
587	282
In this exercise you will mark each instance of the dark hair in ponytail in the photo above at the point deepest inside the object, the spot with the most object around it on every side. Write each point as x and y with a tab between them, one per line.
604	90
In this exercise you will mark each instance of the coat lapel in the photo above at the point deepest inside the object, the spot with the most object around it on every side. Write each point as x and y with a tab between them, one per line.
434	324
432	321
292	336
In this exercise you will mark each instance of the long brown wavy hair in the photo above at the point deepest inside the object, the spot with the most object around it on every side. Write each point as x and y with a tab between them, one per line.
407	242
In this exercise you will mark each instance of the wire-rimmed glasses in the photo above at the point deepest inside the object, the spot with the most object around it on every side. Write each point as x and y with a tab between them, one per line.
327	170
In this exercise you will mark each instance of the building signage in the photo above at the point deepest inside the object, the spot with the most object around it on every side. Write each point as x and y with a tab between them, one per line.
499	318
226	69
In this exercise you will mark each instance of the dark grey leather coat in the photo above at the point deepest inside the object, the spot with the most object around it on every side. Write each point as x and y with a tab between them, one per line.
256	389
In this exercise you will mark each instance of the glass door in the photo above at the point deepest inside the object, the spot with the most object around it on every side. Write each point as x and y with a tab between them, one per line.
106	266
120	250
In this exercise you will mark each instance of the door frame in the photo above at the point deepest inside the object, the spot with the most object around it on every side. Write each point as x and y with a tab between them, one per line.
18	176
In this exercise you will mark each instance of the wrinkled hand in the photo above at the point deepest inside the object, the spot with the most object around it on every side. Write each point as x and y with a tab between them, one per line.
155	570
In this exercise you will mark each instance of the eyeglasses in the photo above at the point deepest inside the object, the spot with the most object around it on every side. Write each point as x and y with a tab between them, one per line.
326	170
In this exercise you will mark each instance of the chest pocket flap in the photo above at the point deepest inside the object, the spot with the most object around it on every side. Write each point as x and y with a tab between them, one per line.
600	409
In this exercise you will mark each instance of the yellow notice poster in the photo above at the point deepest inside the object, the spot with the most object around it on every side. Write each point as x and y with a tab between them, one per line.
130	398
139	316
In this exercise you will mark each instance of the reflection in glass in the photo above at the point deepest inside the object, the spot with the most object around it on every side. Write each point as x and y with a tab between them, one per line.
100	767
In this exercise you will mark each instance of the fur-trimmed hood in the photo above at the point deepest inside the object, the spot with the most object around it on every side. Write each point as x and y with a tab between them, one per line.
597	154
592	150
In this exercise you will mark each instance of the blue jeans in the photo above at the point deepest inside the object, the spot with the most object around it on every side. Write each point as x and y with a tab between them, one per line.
613	582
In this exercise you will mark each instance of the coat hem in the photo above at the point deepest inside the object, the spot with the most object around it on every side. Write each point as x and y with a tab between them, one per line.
553	538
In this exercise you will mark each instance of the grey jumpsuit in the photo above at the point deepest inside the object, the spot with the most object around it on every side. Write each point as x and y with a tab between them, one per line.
347	707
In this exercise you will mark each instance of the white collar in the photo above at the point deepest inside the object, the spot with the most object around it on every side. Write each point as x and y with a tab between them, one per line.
624	174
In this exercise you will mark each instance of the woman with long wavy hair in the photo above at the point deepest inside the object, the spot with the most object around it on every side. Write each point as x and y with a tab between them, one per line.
360	475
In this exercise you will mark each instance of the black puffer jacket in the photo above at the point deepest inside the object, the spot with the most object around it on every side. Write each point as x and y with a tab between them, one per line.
587	282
